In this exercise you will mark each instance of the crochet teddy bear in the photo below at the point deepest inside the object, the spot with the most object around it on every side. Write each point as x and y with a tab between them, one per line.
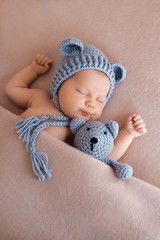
97	139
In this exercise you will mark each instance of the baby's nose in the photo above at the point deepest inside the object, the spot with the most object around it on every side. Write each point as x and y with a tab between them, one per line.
90	103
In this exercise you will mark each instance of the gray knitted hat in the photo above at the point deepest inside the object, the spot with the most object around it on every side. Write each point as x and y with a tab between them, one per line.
77	56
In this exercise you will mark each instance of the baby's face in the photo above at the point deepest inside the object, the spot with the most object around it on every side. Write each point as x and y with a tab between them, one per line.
83	95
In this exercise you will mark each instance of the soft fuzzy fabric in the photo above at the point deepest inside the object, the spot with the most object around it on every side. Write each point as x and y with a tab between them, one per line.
84	199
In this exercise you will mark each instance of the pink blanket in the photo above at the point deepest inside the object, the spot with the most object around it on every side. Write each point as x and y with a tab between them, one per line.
84	199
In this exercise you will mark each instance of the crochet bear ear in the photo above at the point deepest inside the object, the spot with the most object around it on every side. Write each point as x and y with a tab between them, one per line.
120	72
113	127
71	47
76	124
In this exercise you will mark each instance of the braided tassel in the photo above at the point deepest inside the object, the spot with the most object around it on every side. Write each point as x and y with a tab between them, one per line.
26	126
39	159
31	144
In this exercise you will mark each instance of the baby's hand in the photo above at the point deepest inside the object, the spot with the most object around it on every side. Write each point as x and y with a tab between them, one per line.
41	64
135	126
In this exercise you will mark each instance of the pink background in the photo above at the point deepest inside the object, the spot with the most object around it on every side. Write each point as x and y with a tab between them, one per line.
128	33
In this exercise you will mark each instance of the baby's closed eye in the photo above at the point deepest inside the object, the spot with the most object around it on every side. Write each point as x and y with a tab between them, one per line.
100	100
85	92
82	91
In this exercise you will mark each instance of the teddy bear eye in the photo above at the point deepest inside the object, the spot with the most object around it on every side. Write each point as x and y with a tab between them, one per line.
88	129
105	132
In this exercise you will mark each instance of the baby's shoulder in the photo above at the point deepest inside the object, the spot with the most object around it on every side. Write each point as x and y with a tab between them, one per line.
40	103
38	97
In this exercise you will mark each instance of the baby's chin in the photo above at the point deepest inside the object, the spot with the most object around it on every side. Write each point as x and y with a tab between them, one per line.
85	118
88	118
84	115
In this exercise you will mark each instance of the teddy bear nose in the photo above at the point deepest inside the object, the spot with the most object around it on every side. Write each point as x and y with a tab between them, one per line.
94	140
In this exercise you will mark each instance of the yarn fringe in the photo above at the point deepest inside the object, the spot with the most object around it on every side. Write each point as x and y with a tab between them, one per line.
40	165
25	127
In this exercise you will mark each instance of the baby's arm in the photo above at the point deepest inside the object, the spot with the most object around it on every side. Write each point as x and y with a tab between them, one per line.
133	127
17	88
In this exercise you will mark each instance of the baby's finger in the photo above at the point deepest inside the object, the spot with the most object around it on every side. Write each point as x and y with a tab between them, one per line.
40	59
49	61
142	130
130	117
138	121
136	117
141	125
44	60
38	55
47	64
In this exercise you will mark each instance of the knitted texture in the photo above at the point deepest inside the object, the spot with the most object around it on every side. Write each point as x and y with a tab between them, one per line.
29	130
123	170
77	56
97	139
93	138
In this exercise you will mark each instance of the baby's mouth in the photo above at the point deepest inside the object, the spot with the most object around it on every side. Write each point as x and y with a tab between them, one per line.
85	113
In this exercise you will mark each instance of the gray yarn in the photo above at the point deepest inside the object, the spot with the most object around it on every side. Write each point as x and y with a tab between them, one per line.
25	128
78	56
97	139
93	138
30	128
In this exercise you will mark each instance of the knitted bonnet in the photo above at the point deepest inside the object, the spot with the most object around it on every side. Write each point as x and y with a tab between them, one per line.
78	56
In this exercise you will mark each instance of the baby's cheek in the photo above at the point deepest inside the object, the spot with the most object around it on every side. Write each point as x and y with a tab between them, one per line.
100	110
96	115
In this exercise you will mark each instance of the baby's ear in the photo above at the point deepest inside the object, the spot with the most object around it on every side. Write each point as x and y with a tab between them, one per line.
71	47
113	127
76	124
120	72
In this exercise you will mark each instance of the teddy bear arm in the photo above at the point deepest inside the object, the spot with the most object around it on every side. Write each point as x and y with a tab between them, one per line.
123	170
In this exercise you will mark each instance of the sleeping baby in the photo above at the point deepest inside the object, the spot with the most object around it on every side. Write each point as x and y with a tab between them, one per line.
82	84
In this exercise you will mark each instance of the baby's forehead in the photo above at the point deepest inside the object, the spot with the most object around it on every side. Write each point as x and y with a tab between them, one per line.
91	77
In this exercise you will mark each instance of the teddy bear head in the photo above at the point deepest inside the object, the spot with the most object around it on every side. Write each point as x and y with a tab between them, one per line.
94	138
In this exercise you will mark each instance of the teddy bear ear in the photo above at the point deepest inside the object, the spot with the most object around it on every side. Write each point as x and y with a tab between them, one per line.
113	127
76	124
71	47
120	72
